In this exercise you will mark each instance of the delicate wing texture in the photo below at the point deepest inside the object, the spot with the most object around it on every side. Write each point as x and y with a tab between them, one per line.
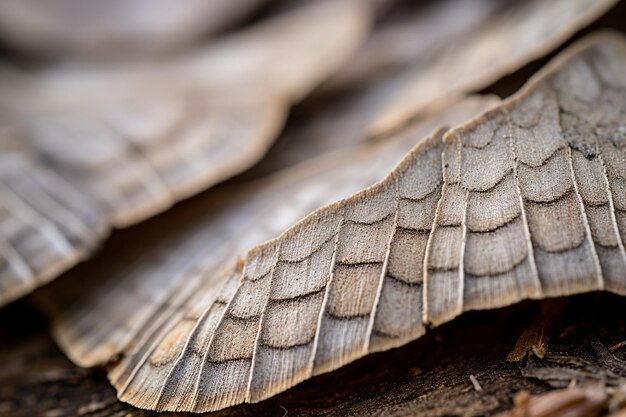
116	27
167	287
136	140
522	32
526	201
540	181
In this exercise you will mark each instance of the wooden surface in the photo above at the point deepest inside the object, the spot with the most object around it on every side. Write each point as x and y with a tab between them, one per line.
429	377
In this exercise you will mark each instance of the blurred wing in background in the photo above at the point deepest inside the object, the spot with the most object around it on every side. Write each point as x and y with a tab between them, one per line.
114	28
525	31
134	140
46	225
420	57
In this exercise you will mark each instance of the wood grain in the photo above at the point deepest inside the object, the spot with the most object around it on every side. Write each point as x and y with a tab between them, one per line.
426	378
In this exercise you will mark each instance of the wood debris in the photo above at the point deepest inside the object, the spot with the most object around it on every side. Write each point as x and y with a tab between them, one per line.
571	402
533	340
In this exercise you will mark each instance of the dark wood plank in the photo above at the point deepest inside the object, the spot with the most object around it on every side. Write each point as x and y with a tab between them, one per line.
429	377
